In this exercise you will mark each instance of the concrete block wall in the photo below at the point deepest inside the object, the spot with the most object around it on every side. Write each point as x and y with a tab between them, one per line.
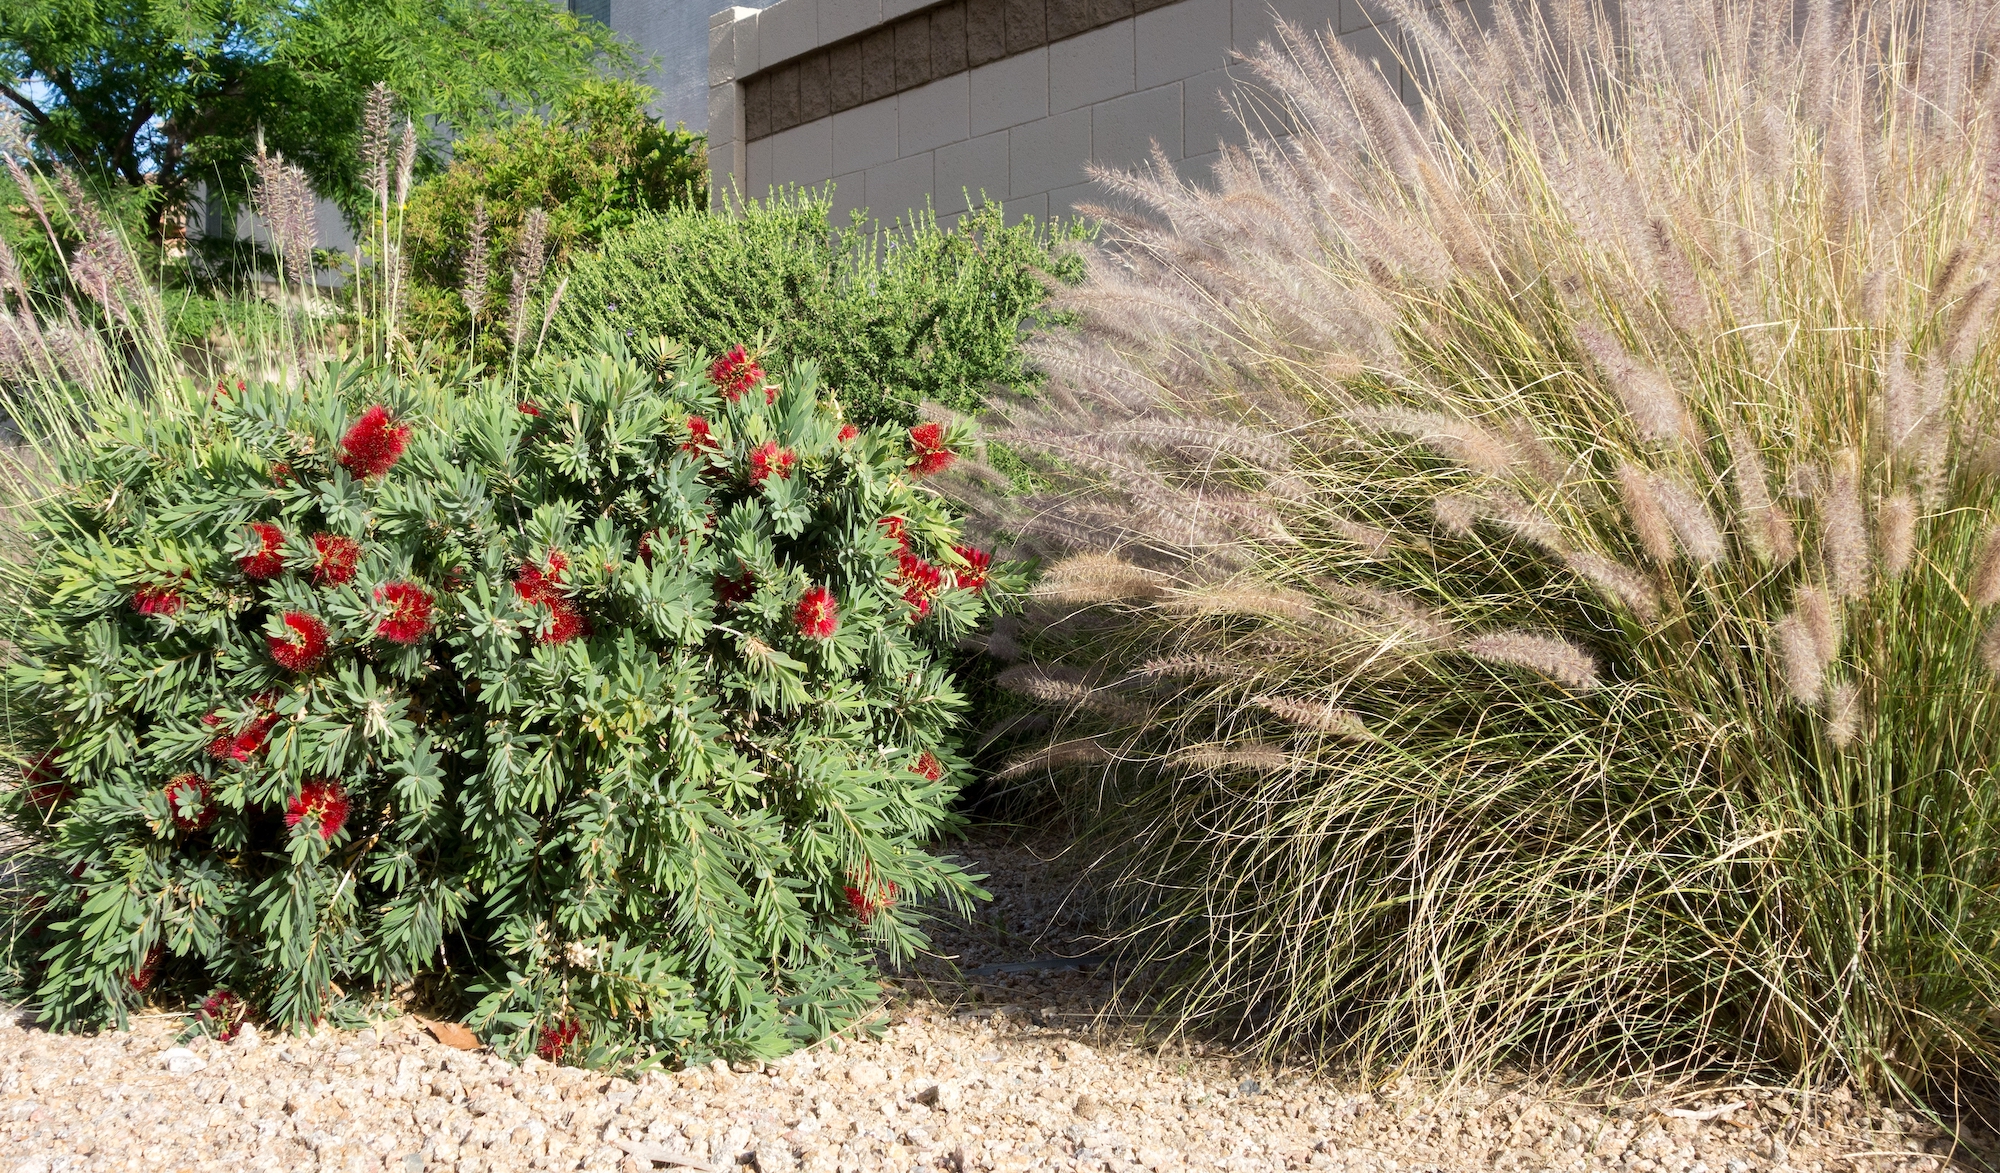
896	102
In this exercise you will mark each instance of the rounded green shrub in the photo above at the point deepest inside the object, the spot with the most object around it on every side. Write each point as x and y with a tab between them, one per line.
612	703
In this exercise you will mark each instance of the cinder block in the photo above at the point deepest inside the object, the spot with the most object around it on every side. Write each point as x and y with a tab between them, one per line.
725	28
1103	12
878	64
1010	91
1067	18
757	108
759	167
969	172
725	168
784	98
898	187
850	192
1048	154
1034	207
840	19
1027	24
725	114
747	60
1123	130
844	76
1149	5
787	29
933	115
865	135
891	9
1067	202
948	40
913	52
814	99
803	154
1252	24
1206	123
985	32
1181	40
1091	68
1199	169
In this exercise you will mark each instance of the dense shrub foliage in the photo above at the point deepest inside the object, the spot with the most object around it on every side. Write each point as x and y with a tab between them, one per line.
595	165
892	318
612	705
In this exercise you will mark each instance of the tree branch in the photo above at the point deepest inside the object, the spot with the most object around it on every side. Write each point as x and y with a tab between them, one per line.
34	112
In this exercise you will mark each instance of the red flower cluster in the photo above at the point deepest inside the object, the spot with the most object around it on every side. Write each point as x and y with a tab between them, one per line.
373	445
920	582
816	615
526	408
866	897
894	527
225	1012
281	473
322	801
978	562
269	560
701	437
188	803
142	977
847	432
541	586
335	559
153	599
735	590
239	747
409	617
556	1040
768	458
928	453
736	373
303	645
928	766
45	786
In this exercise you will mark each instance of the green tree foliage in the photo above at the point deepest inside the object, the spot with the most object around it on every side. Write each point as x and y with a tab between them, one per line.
593	166
169	95
617	709
892	317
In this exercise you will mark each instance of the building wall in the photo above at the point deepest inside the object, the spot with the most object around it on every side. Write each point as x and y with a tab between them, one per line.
672	35
897	103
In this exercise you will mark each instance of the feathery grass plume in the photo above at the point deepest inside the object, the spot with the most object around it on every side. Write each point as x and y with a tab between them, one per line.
1843	713
1097	578
1984	586
376	134
1642	508
1628	247
1273	603
1258	756
1325	718
1844	528
1766	529
1373	542
283	199
1552	656
1989	648
1212	667
1896	533
406	161
1055	757
530	254
475	286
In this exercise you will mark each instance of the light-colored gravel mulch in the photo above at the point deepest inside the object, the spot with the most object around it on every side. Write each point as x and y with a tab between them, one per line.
993	1070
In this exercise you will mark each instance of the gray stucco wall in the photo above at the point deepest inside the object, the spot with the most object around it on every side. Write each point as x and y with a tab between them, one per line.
1019	128
673	36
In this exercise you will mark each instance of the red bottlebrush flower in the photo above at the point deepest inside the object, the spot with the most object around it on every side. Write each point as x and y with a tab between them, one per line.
409	617
928	453
303	644
373	445
735	590
187	802
281	473
920	582
44	782
321	801
978	562
149	969
701	437
153	599
768	458
225	1012
568	623
735	373
269	560
528	409
239	747
556	1040
866	897
847	432
335	559
894	527
646	547
928	766
816	615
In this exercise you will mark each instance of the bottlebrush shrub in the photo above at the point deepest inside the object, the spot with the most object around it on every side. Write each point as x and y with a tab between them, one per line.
595	702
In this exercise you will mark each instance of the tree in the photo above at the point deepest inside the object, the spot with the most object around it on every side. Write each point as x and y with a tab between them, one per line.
169	95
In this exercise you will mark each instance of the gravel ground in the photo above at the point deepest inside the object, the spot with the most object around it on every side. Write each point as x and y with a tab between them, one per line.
1006	1065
